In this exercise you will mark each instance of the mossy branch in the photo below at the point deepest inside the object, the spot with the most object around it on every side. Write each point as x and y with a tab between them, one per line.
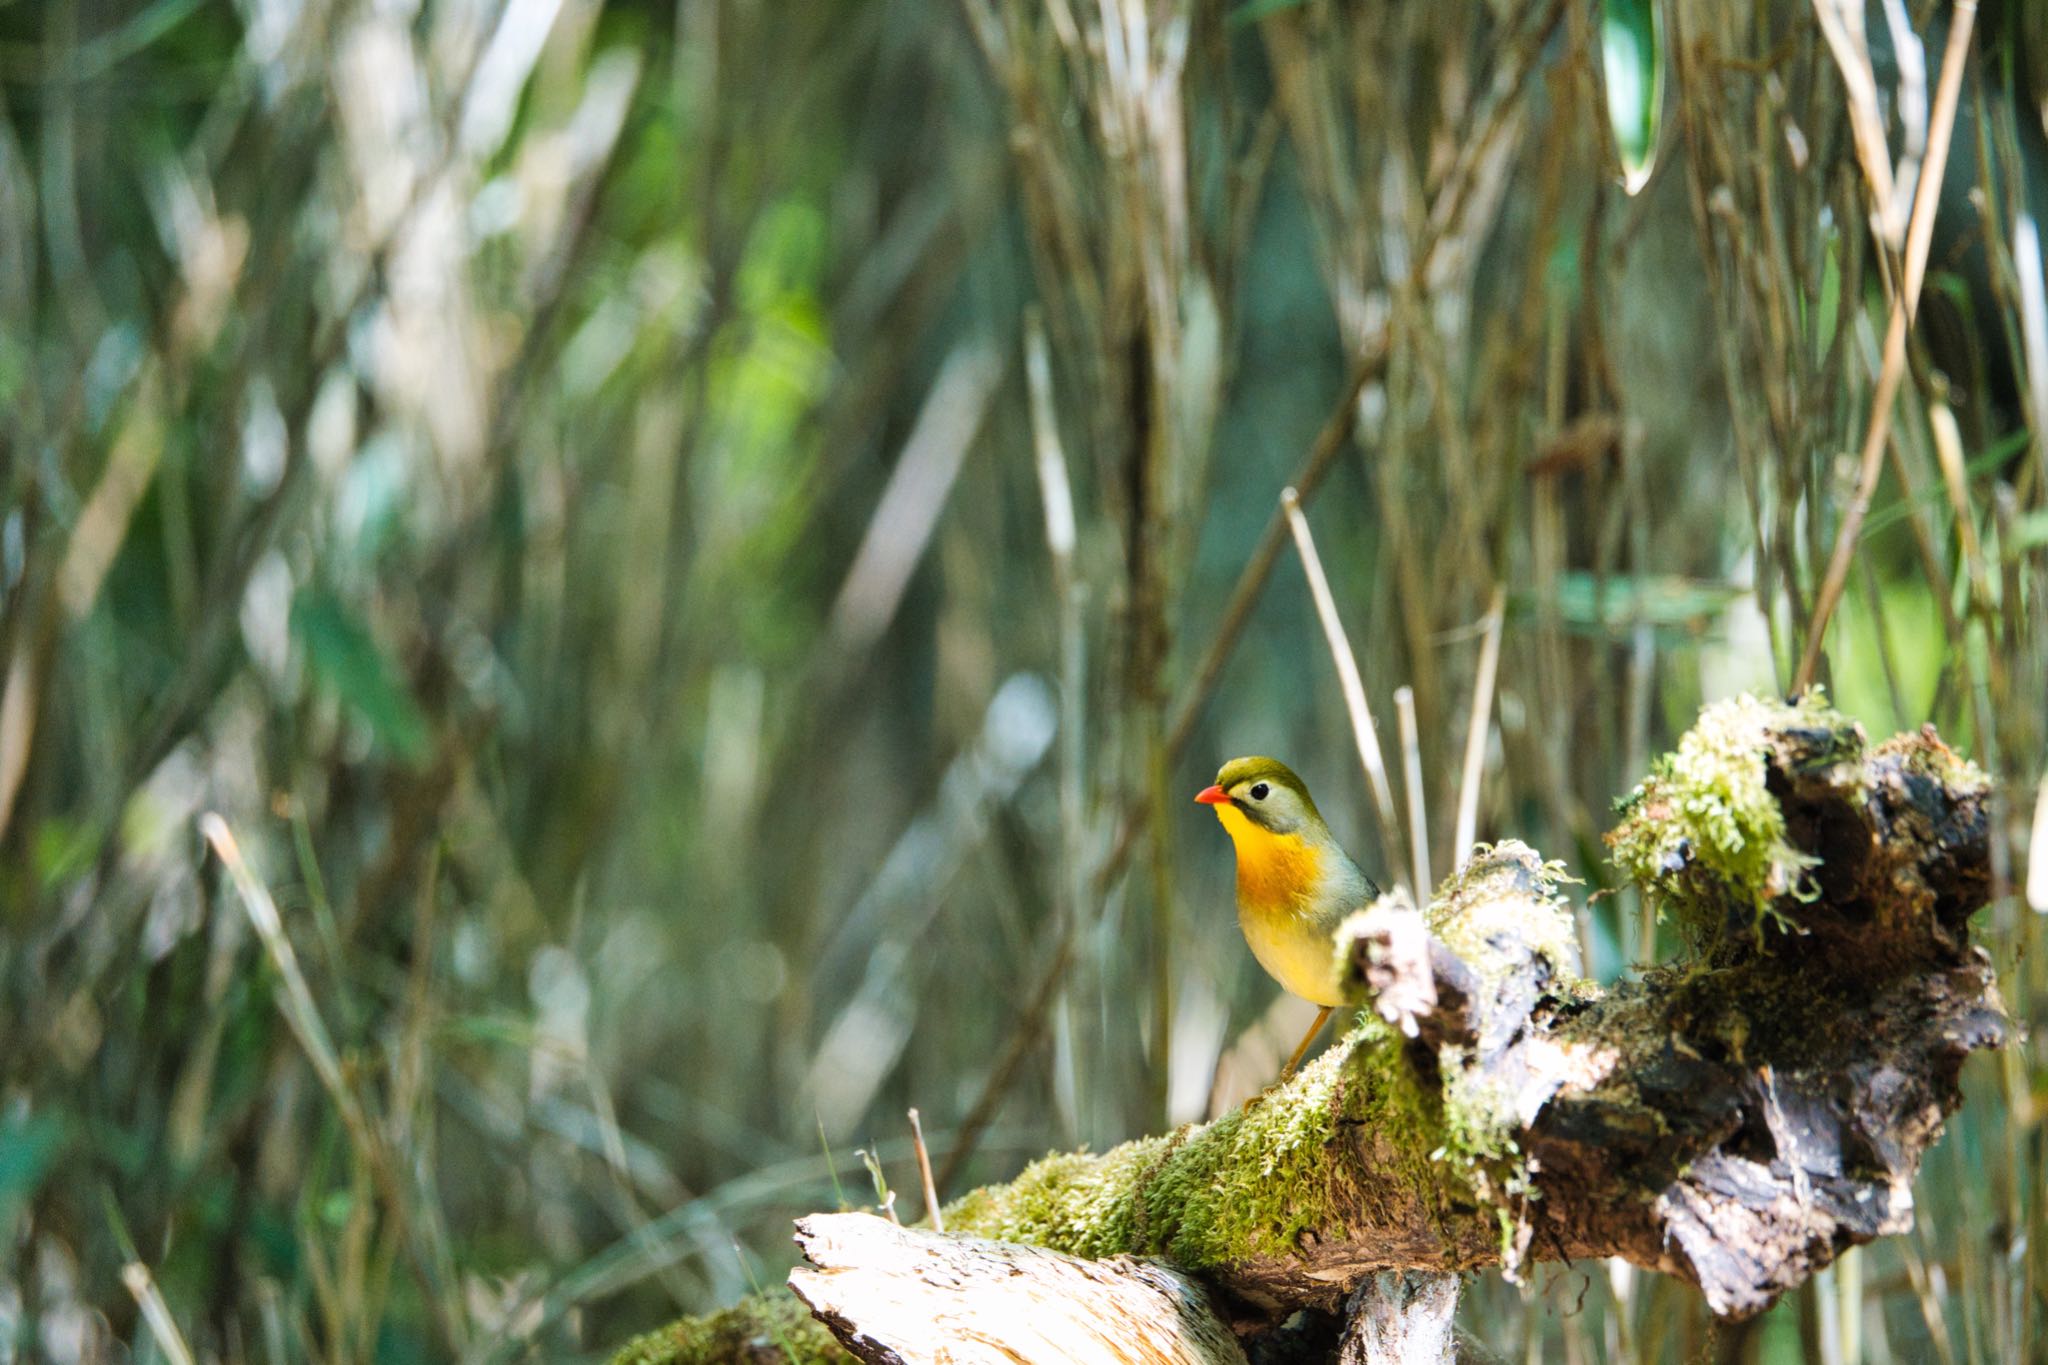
1736	1118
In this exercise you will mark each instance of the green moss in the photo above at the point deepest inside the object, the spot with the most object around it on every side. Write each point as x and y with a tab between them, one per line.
1244	1186
1704	836
758	1327
1075	1202
1502	880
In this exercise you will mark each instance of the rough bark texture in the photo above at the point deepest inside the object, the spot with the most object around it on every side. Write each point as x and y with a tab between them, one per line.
1737	1118
902	1296
1400	1318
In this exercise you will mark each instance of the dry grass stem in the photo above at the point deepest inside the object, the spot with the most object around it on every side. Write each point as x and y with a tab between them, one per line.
1418	802
1948	452
924	1175
163	1328
1841	23
1919	234
1363	732
2037	851
1472	773
299	1010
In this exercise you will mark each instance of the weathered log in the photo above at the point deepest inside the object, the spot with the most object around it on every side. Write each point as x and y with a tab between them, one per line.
906	1296
1736	1118
901	1296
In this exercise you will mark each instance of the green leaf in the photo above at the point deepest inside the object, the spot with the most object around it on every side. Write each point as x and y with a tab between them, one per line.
1254	10
64	848
1985	461
29	1147
345	659
1655	599
2028	532
1632	60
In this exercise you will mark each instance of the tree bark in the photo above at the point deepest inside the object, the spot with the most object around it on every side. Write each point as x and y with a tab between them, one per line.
903	1296
1400	1317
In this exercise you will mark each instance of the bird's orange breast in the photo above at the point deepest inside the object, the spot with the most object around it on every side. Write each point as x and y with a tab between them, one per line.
1274	871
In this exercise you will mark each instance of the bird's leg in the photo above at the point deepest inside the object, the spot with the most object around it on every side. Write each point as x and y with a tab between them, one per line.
1322	1017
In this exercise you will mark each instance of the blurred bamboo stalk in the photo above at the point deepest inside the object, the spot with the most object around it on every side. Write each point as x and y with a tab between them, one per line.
2033	301
1948	451
908	510
1363	732
1477	729
1919	236
1418	801
2037	851
1056	498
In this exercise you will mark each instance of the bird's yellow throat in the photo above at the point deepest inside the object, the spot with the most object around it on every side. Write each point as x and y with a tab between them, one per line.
1274	871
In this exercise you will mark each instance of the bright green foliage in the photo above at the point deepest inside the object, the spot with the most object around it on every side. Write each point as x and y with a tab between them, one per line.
1633	60
1703	834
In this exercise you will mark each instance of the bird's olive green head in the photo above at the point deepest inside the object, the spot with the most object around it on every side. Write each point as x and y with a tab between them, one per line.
1270	795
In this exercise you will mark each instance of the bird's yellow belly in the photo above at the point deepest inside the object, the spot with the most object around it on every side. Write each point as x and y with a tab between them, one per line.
1295	950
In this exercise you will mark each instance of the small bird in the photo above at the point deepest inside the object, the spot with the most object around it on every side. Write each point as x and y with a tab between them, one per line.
1294	883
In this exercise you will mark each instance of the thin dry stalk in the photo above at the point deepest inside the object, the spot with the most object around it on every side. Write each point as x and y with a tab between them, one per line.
2037	852
1919	234
1927	1293
924	1174
1411	776
1841	23
162	1326
302	1016
1363	731
1475	732
1948	451
300	1013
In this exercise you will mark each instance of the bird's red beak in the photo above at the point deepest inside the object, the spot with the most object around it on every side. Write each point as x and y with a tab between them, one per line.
1213	796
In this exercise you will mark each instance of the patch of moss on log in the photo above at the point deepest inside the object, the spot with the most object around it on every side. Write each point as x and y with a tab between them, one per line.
1242	1187
1507	879
763	1328
1704	834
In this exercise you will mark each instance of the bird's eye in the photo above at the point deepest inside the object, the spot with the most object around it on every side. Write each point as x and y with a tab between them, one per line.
1259	790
